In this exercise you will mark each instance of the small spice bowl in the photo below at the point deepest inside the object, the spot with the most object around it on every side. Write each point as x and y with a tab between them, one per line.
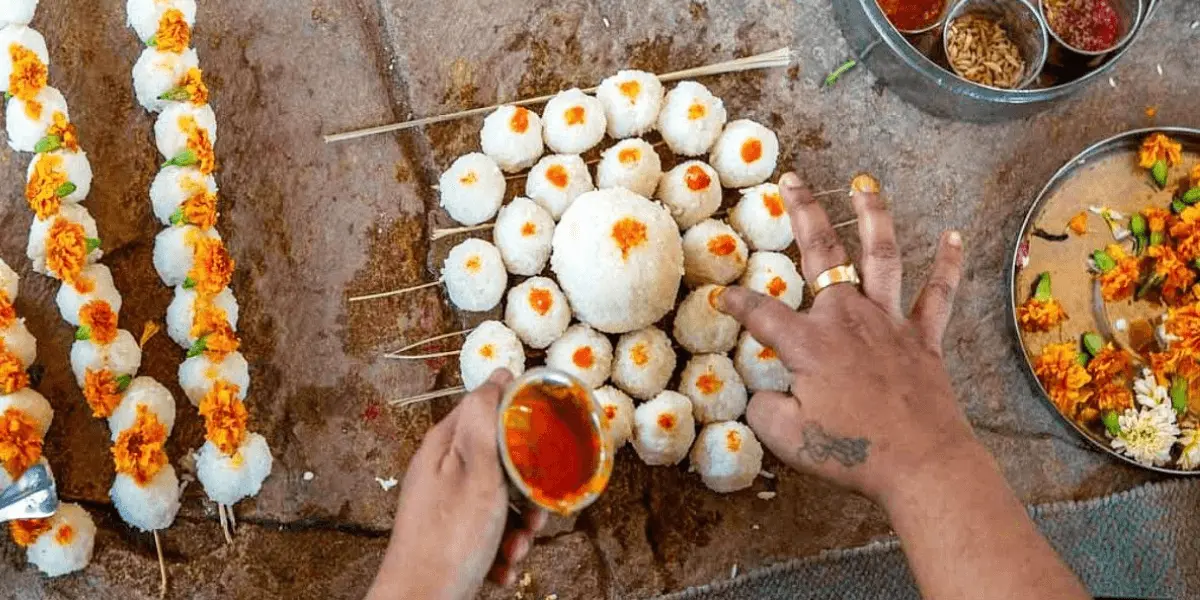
1021	21
1128	15
552	441
914	31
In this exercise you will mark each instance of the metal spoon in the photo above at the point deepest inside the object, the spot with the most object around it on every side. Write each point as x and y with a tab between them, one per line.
33	496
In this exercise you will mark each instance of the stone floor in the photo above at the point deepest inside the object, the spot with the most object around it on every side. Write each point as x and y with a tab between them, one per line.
311	224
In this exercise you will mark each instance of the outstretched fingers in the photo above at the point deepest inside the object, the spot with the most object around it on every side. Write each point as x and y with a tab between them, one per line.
820	247
881	266
931	313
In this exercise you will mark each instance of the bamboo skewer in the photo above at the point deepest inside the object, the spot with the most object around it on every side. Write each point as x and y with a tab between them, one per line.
423	356
396	292
402	402
777	58
224	524
428	340
232	519
162	568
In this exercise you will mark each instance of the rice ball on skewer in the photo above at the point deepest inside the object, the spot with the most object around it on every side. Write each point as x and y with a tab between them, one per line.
523	234
150	506
537	311
691	192
181	313
28	122
178	128
34	405
157	72
173	187
148	394
691	119
632	164
573	122
631	245
512	136
715	388
631	101
19	342
474	275
198	373
228	479
62	245
643	362
556	181
760	366
728	456
775	275
472	189
663	429
121	357
146	490
95	284
701	328
144	16
17	12
67	546
745	154
175	250
56	177
618	415
10	282
25	40
584	353
762	219
488	347
713	253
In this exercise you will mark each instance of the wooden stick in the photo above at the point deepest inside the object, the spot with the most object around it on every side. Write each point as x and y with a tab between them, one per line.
845	223
441	233
830	192
396	292
224	524
427	396
428	340
232	519
423	356
162	568
778	58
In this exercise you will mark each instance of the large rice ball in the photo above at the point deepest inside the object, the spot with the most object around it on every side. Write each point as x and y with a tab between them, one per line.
157	72
489	347
228	479
762	219
67	547
143	391
100	287
584	353
775	275
18	35
19	342
691	119
17	12
512	136
745	154
760	367
40	229
474	275
31	403
691	192
175	185
472	189
713	253
631	101
728	456
573	122
181	313
73	165
537	311
701	328
663	429
619	260
643	362
175	252
144	15
198	374
632	164
618	415
172	127
715	388
149	507
523	234
556	181
10	281
24	130
122	357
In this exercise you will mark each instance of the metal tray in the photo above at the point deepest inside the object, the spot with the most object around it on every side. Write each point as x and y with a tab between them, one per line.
1123	142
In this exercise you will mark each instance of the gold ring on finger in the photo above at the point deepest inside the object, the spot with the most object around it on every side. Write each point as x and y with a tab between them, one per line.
831	277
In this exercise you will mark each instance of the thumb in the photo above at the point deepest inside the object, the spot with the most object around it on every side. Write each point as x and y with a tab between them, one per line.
776	419
475	432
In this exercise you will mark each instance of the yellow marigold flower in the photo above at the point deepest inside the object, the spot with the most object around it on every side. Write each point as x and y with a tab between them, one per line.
13	377
42	190
138	451
225	417
1156	218
102	392
193	83
101	320
66	249
65	131
1121	281
29	74
1065	380
212	267
173	34
20	442
1038	315
1156	147
201	210
1108	364
199	144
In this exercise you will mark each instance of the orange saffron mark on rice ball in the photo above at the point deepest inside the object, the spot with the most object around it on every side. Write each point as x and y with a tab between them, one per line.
722	245
773	204
225	417
776	287
468	178
102	392
26	531
529	229
101	320
20	442
541	300
42	190
629	233
666	421
733	440
752	150
65	535
519	123
697	111
138	451
473	264
557	175
629	156
610	413
487	351
709	383
767	354
583	357
29	74
639	354
696	179
631	90
576	115
173	34
12	373
714	297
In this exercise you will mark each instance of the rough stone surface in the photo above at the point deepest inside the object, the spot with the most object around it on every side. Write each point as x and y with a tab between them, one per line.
312	224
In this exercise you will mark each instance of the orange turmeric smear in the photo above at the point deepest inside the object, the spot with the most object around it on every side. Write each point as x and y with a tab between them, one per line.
697	111
8	312
557	175
64	536
576	115
583	357
27	531
468	178
529	229
66	249
225	417
102	392
629	156
709	383
773	204
212	268
199	143
487	351
540	300
722	245
666	421
201	210
65	131
610	413
631	90
12	373
629	233
20	442
29	74
519	123
138	451
473	264
639	355
752	150
42	190
767	354
733	440
193	82
101	319
776	287
173	35
554	445
1158	147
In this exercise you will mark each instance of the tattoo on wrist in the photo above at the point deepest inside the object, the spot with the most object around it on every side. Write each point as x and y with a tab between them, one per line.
819	446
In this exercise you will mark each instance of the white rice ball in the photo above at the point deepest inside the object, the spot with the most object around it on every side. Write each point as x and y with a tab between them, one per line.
573	122
474	275
631	101
632	164
67	547
512	136
618	415
175	185
775	275
472	189
584	353
19	35
556	181
122	357
157	72
228	479
175	252
745	154
10	282
728	456
70	300
143	391
151	507
19	342
17	12
715	388
74	165
38	231
198	374
663	429
713	253
691	119
760	367
537	311
488	347
31	403
762	219
170	132
523	234
619	260
691	192
643	362
181	313
24	131
701	328
143	15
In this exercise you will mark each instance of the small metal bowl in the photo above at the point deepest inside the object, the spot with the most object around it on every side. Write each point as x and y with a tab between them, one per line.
1131	13
937	23
1023	23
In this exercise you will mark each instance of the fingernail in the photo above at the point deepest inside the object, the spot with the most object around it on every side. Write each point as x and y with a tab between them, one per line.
790	181
954	239
864	182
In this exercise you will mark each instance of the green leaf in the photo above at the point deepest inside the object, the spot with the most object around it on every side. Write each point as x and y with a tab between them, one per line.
1177	206
1150	283
1191	196
1157	238
837	73
123	382
1081	359
1159	173
200	346
49	143
1112	422
1179	394
66	189
83	333
177	216
186	158
1103	261
1137	224
153	41
1140	243
176	94
1196	263
189	283
1042	292
92	244
7	95
1093	343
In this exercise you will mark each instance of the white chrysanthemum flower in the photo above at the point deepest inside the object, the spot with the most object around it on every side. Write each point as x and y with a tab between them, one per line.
1149	393
1147	436
1189	459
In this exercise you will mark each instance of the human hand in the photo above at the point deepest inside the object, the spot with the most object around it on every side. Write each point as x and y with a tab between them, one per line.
450	529
871	404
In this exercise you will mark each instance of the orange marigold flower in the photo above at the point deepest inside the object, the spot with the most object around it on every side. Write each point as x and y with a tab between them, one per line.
26	531
193	83
212	267
208	317
173	34
1038	315
200	144
101	319
1078	223
29	74
1186	232
1065	380
1156	147
1108	364
1121	281
1184	323
41	192
65	131
1156	218
8	312
20	442
1194	176
138	451
12	373
201	210
221	341
1114	396
1177	277
225	417
66	249
102	392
